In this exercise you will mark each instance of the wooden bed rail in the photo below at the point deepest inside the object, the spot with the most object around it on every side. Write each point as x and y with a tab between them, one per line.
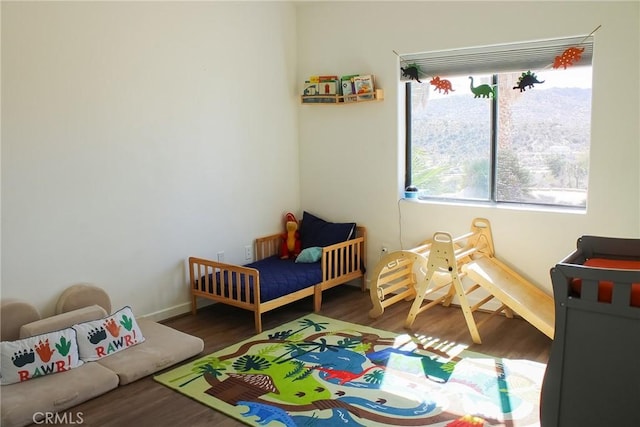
214	280
344	262
267	246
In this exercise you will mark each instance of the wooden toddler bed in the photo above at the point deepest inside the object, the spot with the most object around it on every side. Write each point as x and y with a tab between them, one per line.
593	373
271	282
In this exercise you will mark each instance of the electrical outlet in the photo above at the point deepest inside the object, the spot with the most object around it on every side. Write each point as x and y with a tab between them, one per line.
221	256
248	253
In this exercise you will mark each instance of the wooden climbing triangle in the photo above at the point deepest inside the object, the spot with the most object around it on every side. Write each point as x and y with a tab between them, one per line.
433	271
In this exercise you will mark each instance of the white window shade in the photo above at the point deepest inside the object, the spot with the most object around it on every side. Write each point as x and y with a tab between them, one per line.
532	56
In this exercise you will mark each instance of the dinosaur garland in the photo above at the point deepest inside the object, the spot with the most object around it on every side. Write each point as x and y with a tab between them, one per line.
527	80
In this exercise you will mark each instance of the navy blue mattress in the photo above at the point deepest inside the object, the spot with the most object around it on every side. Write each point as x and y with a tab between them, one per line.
278	277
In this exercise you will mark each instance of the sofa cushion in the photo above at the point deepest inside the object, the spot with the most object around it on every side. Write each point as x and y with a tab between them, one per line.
82	295
62	321
163	347
13	314
22	402
104	337
39	355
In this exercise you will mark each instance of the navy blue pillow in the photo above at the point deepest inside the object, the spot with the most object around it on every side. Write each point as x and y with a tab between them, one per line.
318	232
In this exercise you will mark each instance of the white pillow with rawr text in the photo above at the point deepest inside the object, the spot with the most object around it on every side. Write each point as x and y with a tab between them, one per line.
39	355
104	337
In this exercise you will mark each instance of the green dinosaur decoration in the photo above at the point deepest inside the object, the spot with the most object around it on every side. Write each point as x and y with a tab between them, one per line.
482	91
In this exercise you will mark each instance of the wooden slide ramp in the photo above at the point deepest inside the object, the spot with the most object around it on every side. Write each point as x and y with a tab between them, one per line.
530	302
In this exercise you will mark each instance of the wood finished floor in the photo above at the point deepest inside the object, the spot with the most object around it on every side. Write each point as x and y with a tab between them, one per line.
146	402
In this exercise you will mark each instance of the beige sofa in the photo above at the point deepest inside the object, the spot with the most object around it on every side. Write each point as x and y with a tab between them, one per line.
27	402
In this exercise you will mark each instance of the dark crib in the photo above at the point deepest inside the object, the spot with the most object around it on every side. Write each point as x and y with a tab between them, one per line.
593	374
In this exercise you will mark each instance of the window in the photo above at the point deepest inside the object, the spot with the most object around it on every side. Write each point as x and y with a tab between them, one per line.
525	146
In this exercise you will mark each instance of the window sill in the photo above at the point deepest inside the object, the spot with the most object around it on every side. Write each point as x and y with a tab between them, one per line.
503	206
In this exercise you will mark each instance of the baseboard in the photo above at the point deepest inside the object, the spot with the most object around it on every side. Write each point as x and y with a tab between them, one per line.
175	311
167	313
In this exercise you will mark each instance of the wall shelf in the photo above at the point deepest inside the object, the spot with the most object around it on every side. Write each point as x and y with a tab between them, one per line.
377	95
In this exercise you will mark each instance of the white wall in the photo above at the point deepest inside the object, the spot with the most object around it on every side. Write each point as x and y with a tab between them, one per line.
352	156
136	134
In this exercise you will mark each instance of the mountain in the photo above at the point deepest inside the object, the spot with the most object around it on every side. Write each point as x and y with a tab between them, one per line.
550	117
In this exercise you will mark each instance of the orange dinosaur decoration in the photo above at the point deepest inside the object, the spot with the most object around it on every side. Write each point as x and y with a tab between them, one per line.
441	85
568	57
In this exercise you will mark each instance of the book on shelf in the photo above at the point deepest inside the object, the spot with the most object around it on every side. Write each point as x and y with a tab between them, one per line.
321	89
364	87
328	87
311	88
319	79
347	90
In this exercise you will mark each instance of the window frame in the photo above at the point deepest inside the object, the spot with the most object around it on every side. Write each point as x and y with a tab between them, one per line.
559	45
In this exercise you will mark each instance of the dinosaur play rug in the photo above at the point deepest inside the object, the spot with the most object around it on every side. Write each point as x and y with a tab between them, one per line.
317	371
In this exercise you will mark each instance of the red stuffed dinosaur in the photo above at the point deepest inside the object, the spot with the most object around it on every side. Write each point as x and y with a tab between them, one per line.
291	238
